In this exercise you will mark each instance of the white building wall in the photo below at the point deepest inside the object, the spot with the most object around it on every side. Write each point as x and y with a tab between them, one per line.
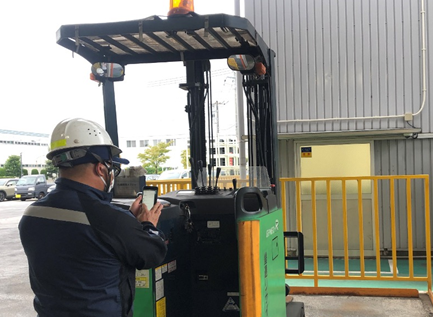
33	147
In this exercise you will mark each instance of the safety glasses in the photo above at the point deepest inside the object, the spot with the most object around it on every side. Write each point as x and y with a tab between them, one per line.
113	167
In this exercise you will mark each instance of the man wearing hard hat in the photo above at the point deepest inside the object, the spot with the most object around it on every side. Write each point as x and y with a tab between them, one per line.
82	250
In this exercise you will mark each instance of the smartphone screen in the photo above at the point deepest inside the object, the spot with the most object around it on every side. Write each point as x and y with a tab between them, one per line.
149	196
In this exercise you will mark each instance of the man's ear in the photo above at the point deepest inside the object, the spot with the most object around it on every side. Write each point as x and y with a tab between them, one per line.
99	169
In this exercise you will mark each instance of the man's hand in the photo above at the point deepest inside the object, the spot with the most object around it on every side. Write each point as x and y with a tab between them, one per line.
142	213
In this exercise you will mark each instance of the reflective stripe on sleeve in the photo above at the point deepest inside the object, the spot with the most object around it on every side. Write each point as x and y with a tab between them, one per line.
57	214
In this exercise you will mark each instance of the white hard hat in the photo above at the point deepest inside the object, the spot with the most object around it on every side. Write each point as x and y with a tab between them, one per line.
75	134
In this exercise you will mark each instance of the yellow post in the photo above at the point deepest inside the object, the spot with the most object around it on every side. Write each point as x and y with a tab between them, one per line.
377	225
393	224
283	203
427	232
330	246
409	225
313	207
298	206
361	229
346	236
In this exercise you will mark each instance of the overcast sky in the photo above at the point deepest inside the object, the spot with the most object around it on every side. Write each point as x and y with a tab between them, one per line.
42	83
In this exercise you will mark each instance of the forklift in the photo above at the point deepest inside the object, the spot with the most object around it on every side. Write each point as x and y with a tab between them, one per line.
226	247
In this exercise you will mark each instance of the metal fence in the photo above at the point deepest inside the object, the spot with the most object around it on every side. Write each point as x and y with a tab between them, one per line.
169	185
306	192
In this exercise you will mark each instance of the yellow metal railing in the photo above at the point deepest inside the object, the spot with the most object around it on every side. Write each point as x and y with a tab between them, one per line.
315	274
169	185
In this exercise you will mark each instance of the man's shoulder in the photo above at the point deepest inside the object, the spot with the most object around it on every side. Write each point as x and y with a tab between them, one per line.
101	207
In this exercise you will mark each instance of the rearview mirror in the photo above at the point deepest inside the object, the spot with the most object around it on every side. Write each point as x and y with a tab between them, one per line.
241	62
111	71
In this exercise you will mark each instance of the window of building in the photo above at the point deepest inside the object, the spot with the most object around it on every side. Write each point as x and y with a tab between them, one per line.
131	143
144	143
231	149
172	142
222	161
222	150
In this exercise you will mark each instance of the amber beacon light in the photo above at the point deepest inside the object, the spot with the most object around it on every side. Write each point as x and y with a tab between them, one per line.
181	7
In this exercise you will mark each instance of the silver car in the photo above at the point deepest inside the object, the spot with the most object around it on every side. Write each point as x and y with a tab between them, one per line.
7	188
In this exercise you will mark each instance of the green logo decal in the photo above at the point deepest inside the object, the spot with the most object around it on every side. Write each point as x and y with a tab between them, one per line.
273	229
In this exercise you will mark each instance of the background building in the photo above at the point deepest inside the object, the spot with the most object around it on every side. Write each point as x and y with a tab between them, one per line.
31	146
225	151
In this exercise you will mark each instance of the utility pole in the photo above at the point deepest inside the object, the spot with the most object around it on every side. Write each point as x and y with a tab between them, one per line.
240	112
21	164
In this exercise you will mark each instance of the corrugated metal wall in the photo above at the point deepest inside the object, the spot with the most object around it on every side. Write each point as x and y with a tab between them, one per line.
339	59
354	58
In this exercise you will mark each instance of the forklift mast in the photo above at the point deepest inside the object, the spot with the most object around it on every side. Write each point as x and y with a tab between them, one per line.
194	40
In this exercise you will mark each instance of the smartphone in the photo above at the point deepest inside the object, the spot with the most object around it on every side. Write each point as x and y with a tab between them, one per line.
149	194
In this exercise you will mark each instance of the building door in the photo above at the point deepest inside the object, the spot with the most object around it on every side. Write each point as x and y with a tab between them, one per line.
336	160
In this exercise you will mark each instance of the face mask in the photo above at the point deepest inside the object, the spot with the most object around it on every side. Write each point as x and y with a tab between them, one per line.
110	188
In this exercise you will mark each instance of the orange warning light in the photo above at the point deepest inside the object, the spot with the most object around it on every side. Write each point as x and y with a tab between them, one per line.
180	7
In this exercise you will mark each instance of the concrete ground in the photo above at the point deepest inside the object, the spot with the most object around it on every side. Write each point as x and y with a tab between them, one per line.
16	296
362	306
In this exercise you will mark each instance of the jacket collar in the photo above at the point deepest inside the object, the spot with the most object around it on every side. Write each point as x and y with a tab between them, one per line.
64	183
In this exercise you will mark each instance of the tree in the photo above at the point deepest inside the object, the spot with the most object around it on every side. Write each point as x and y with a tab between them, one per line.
51	169
184	157
154	156
2	172
35	171
25	171
13	166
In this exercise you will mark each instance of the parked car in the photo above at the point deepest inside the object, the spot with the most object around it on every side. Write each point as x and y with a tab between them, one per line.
31	186
151	177
174	174
7	188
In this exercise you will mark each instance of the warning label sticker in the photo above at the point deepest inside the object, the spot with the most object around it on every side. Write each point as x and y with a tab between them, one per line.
230	305
158	273
159	289
164	268
142	279
160	308
306	151
172	266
